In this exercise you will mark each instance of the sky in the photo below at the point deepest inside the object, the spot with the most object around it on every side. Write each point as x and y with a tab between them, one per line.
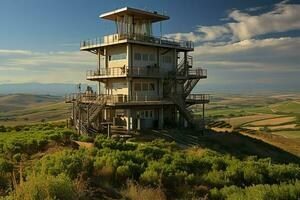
244	45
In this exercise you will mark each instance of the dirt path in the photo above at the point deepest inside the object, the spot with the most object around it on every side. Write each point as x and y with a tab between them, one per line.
87	145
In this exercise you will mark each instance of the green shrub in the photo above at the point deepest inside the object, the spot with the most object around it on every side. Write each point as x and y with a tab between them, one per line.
45	187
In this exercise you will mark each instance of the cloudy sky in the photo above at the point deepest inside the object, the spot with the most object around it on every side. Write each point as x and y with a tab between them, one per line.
243	44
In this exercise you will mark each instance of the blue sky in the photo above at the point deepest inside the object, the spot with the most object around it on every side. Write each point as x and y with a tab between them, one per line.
242	43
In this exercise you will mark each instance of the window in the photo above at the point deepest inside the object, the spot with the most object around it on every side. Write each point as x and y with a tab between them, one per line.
119	56
144	86
151	57
145	114
150	114
151	87
137	86
167	59
118	85
145	57
137	56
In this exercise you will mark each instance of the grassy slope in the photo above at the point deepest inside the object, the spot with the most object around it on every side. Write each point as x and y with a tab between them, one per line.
286	106
26	109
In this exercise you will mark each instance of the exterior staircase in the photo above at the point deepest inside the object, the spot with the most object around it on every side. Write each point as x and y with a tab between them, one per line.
189	86
94	108
182	107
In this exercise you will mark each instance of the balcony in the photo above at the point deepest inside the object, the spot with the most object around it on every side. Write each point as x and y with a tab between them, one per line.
151	40
114	72
113	100
197	99
194	73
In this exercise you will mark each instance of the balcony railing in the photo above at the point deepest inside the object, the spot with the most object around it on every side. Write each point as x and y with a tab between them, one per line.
199	72
112	99
198	97
110	39
126	71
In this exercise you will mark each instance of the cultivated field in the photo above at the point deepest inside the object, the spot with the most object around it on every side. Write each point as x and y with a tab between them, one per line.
273	118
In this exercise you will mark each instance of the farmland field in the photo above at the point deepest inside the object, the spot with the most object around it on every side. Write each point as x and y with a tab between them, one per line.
260	116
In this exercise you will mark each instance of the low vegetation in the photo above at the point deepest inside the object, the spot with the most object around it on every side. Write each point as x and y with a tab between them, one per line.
42	162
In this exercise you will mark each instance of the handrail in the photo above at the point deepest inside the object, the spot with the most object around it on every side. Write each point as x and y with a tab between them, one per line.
124	71
110	39
119	98
198	72
201	97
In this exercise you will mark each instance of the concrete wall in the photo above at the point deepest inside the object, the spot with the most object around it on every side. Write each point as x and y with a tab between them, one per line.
116	49
116	86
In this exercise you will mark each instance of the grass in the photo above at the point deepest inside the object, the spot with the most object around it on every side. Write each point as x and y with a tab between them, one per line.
289	134
288	107
34	109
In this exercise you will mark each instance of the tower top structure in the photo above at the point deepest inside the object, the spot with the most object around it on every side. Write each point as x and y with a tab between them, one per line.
137	14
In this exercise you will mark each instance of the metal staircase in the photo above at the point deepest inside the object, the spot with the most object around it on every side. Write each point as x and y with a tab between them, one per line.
182	107
92	106
189	86
192	77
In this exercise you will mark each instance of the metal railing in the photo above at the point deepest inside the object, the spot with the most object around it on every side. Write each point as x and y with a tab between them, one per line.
126	71
199	97
119	98
198	72
110	39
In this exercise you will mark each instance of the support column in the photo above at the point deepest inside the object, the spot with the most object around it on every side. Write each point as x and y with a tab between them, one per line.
79	120
203	117
161	117
129	121
185	63
88	115
98	68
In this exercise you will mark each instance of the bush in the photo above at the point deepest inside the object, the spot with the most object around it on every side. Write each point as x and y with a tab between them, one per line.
45	187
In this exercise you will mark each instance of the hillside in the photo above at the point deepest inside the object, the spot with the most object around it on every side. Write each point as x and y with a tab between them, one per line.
272	118
52	166
16	109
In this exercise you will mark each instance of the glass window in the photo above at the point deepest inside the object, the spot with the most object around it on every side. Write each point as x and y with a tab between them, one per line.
145	57
167	59
146	114
145	86
119	56
151	57
150	113
118	85
137	86
137	56
151	87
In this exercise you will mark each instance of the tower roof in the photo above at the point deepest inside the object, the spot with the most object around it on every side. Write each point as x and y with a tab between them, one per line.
137	13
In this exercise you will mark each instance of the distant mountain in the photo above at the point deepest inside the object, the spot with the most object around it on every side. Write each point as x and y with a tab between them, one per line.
57	89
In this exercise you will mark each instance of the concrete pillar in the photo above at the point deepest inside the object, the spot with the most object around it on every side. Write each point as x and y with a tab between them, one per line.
129	120
161	117
98	68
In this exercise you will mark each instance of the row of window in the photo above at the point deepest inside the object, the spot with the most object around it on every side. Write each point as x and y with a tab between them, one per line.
145	114
146	86
144	57
119	56
139	57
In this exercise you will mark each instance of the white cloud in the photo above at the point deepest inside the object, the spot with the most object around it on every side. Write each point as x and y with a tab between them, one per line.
62	67
14	52
283	17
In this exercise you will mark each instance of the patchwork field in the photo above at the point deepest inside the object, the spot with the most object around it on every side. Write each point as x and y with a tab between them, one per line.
271	117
